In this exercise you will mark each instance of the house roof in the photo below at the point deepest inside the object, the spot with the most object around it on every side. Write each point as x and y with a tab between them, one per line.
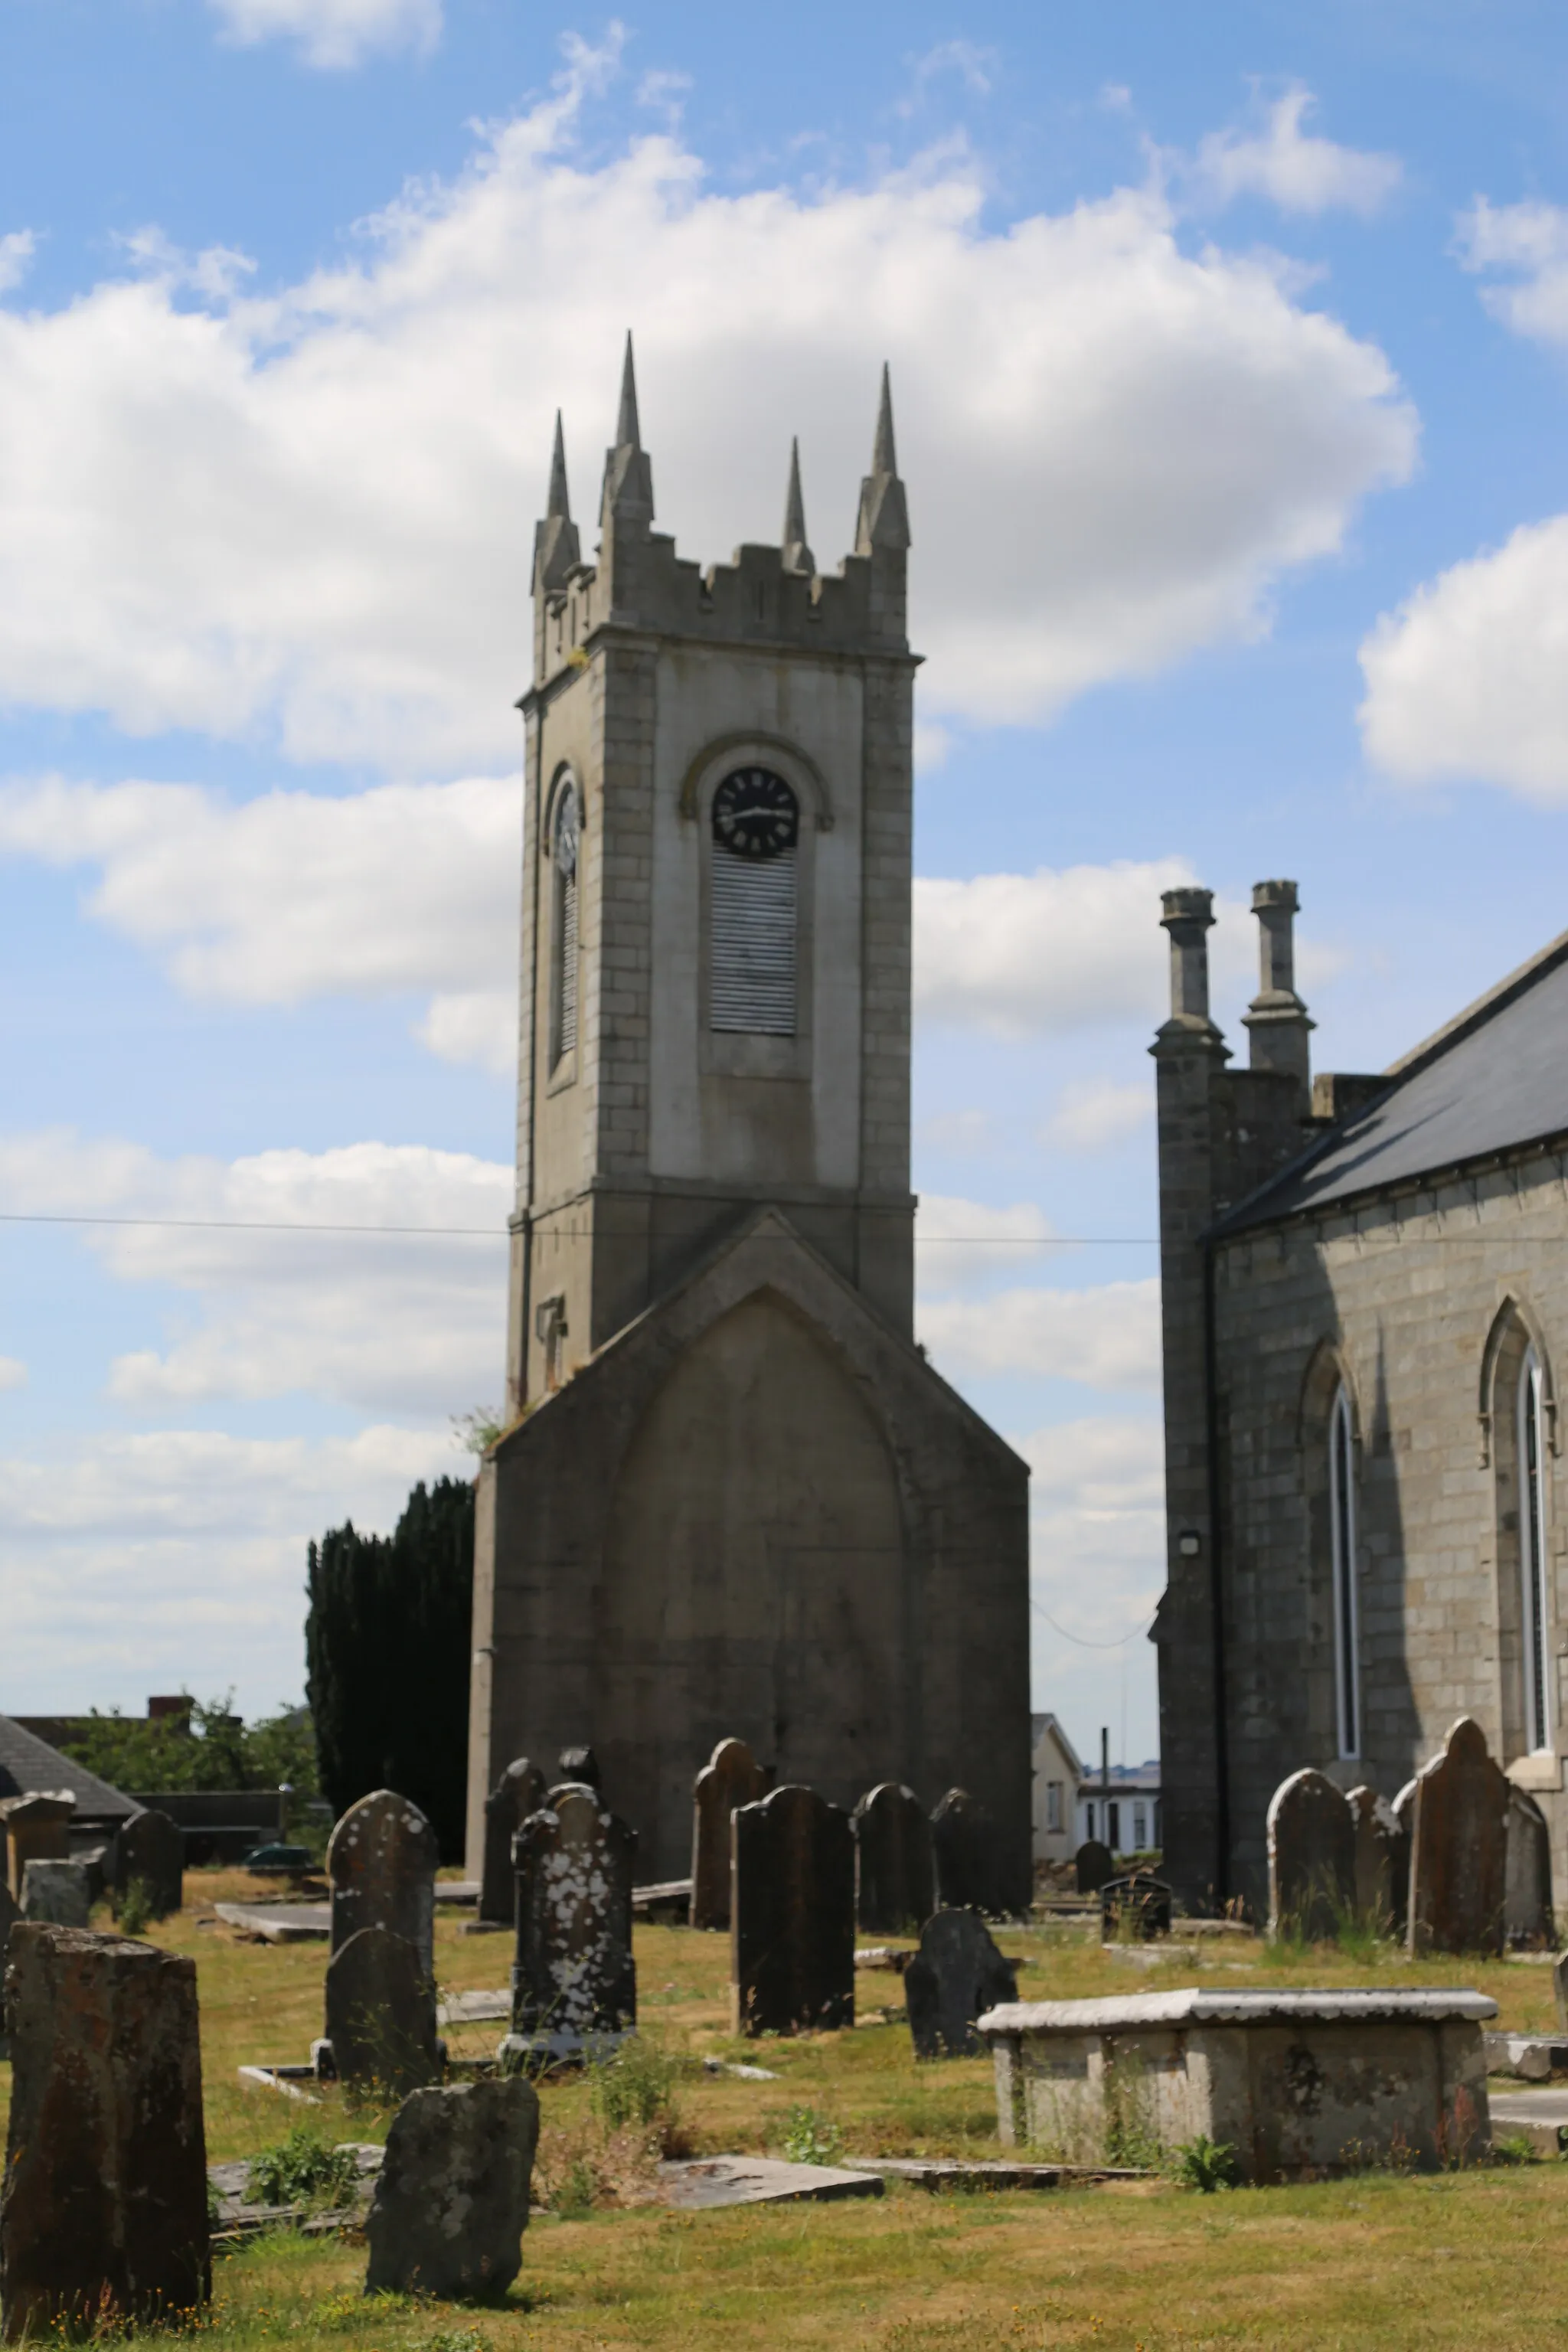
1495	1079
1038	1727
28	1763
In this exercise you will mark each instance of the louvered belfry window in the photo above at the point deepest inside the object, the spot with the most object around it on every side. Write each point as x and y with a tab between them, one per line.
756	842
564	976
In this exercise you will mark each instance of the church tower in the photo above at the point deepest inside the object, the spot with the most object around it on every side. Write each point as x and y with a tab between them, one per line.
732	1497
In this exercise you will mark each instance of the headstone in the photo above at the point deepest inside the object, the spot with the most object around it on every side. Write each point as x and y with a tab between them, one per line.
10	1912
1458	1848
1404	1816
451	2198
1092	1865
37	1829
519	1793
1381	1853
380	2015
731	1777
963	1848
1527	1876
152	1848
894	1876
791	1929
573	1976
56	1893
956	1977
579	1766
1311	1858
382	1865
1134	1909
105	2205
1560	1989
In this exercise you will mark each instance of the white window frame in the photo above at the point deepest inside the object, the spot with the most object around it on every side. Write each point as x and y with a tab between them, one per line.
1534	1556
1053	1807
1345	1601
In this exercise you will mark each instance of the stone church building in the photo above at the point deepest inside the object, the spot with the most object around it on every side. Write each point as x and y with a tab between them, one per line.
733	1497
1365	1295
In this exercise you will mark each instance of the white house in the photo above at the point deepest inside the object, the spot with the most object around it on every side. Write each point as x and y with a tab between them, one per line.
1127	1817
1057	1773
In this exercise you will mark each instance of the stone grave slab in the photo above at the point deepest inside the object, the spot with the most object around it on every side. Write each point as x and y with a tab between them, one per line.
519	1793
963	1854
380	2006
152	1848
1458	1847
105	2204
381	1864
697	2184
574	1977
894	1875
57	1892
451	2197
956	1975
936	2172
1381	1859
731	1777
1311	1858
1093	1864
1527	1875
278	1923
791	1933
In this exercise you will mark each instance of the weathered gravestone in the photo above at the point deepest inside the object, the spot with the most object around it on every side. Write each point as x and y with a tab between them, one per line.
519	1793
151	1848
894	1875
791	1929
10	1912
1134	1909
1527	1875
1381	1858
1458	1848
731	1777
451	2198
105	2205
382	1864
1093	1864
963	1850
580	1767
574	1977
956	1977
37	1829
1311	1858
1404	1821
380	2015
1560	1989
58	1893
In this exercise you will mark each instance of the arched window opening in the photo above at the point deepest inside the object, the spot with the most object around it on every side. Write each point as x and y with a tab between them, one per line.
563	967
756	835
1341	1523
1533	1550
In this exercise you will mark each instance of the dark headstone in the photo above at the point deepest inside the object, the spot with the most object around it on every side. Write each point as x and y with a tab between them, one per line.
731	1777
519	1793
10	1912
574	1974
1093	1864
105	2205
1560	1989
381	2014
963	1851
1527	1880
1381	1857
791	1932
1311	1858
56	1893
152	1848
956	1977
1134	1909
1458	1848
382	1865
1405	1820
580	1766
894	1878
451	2197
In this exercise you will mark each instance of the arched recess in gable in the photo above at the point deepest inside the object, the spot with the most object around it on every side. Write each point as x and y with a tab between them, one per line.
1517	1413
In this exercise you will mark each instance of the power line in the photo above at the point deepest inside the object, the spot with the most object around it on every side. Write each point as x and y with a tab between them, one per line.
1119	1643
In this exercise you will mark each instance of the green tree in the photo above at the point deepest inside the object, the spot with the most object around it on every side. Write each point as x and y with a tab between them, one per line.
210	1748
387	1643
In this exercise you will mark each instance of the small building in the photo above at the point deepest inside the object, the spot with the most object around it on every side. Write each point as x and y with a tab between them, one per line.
1056	1774
30	1767
1126	1817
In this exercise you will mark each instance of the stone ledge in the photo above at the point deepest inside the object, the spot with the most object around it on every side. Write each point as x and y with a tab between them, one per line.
1192	2006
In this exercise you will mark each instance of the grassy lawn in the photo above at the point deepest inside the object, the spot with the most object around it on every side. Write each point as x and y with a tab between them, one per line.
1459	2259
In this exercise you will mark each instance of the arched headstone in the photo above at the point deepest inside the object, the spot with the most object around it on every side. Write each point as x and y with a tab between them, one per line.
964	1846
574	1977
152	1848
580	1768
894	1878
1093	1866
731	1777
1311	1858
519	1793
1381	1856
1458	1847
791	1930
1405	1818
381	2014
382	1865
956	1977
1526	1893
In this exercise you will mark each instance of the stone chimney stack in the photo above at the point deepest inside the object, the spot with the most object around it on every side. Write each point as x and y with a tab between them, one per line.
1276	1018
1189	918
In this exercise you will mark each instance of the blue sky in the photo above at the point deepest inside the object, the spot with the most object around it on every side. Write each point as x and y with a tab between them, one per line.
1228	358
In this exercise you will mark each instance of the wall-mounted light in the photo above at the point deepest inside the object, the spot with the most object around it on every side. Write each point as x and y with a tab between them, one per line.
1189	1543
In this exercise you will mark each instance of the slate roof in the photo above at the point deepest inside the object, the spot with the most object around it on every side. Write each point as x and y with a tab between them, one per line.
1495	1079
27	1763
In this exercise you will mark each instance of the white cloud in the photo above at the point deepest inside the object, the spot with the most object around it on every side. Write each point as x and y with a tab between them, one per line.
17	247
1093	1114
405	1322
1469	678
1530	240
1294	169
13	1372
960	1244
1098	1545
335	33
1106	1335
308	511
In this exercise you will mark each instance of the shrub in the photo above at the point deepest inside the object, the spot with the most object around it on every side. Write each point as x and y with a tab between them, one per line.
810	2137
1204	2164
636	2084
302	2170
135	1908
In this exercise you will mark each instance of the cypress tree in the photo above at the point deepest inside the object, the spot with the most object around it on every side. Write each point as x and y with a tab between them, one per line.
387	1644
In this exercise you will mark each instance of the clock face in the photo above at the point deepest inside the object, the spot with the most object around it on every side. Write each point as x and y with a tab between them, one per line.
755	814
